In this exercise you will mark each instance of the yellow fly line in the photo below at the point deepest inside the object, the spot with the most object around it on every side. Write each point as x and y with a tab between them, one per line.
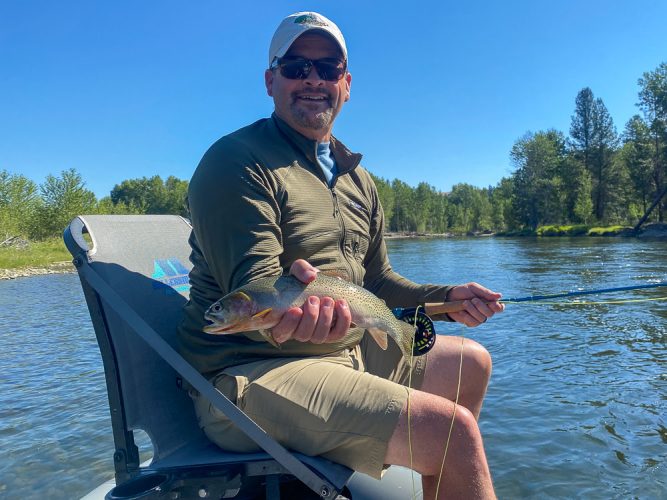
451	424
458	385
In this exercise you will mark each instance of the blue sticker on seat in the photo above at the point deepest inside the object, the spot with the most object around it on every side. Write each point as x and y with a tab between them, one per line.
172	273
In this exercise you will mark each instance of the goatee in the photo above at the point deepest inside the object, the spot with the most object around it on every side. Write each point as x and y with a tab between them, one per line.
305	119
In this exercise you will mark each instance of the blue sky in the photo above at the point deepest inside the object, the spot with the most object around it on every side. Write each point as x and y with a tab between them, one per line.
440	90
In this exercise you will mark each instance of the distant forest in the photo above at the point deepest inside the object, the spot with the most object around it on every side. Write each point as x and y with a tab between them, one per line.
593	175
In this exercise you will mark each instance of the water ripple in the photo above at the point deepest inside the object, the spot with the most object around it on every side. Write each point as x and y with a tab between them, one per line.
579	392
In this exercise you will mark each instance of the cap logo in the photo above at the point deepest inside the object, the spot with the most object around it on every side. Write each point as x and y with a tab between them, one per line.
309	19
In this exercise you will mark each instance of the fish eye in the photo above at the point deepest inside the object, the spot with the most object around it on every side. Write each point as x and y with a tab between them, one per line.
217	307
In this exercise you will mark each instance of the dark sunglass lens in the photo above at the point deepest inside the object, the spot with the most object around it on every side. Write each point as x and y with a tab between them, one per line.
329	70
295	70
298	69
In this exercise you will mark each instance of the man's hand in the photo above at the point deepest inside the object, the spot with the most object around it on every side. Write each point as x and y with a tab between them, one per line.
480	303
318	320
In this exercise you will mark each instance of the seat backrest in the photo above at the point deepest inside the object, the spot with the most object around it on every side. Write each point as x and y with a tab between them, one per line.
144	258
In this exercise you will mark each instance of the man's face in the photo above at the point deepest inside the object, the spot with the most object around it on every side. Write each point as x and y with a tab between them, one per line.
310	106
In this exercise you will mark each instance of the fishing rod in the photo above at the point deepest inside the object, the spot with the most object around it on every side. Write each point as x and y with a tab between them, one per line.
459	305
425	334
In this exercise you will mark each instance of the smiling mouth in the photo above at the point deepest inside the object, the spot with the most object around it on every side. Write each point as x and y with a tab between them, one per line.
312	97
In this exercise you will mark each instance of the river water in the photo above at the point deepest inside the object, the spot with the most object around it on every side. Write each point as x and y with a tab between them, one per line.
577	405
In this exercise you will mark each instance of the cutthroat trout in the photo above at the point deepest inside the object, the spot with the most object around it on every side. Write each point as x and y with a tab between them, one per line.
260	304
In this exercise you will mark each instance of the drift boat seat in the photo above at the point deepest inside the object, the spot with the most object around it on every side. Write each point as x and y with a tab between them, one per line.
134	274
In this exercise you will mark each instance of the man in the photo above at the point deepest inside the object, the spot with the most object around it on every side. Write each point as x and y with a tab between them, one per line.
284	194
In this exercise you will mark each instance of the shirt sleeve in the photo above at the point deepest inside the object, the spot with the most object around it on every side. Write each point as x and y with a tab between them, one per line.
235	216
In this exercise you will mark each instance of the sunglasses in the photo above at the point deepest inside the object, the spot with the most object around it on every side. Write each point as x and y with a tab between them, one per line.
298	68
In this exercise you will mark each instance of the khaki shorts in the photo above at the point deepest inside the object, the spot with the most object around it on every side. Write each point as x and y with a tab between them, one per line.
344	406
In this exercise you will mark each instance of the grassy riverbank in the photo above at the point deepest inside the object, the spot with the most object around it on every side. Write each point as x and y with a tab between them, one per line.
34	254
574	230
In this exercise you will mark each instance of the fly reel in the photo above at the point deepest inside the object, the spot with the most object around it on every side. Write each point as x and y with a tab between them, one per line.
424	330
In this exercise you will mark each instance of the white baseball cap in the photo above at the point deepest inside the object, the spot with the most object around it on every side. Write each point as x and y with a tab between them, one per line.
295	25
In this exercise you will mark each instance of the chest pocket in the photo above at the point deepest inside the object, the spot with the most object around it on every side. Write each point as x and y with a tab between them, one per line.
356	245
357	220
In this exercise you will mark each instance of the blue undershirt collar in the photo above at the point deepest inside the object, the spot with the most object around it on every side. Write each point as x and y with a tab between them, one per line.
326	161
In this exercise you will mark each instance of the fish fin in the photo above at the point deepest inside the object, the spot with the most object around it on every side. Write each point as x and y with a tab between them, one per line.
406	341
262	313
240	295
380	336
269	338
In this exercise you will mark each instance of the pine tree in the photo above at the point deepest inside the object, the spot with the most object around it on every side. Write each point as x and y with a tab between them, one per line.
653	103
594	142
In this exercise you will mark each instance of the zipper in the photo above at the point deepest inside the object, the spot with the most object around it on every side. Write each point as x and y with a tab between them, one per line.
341	241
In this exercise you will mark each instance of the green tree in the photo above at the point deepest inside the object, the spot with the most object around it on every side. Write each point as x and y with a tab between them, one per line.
538	191
637	156
606	178
439	209
152	195
593	141
403	217
63	197
483	214
461	201
106	206
577	188
582	127
501	197
582	204
19	202
177	191
386	195
471	208
653	103
423	203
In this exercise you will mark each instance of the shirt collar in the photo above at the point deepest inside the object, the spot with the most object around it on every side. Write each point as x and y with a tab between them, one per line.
346	160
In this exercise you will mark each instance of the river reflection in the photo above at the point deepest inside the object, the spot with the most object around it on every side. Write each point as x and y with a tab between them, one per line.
576	408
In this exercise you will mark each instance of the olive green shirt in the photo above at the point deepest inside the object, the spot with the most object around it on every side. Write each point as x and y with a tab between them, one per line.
258	201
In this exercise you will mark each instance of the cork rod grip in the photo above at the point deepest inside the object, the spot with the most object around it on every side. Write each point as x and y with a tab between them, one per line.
445	307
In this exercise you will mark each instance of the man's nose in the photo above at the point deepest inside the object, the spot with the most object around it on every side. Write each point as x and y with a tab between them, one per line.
314	77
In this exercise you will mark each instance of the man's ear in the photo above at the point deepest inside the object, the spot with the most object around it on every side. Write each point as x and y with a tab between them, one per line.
268	81
348	84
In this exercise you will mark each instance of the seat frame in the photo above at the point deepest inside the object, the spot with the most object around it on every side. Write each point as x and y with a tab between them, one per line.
197	466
